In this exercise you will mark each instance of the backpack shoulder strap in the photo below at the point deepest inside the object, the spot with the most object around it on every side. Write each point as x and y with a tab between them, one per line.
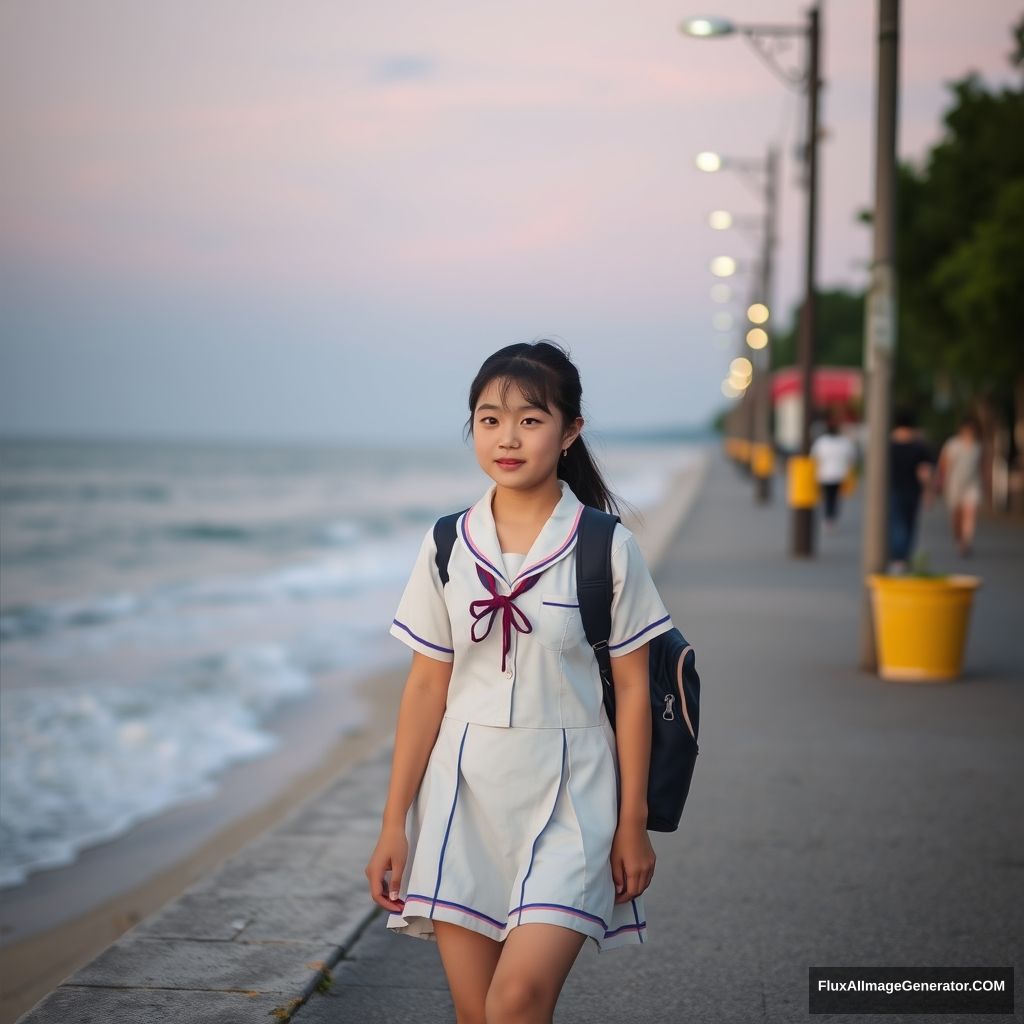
444	539
594	589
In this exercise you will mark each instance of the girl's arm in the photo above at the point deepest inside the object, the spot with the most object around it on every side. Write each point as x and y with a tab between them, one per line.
632	856
419	720
633	732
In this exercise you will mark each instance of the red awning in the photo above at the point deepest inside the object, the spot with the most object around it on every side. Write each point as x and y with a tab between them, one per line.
829	383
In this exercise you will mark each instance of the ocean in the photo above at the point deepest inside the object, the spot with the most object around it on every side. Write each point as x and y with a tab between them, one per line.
161	601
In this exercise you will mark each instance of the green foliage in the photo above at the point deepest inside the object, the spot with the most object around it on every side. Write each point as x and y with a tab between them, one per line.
839	337
920	565
959	257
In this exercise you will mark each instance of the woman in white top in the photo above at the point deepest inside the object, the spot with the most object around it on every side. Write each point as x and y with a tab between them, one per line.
833	455
959	479
515	820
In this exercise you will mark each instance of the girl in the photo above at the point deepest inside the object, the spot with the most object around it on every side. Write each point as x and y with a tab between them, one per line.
959	479
515	821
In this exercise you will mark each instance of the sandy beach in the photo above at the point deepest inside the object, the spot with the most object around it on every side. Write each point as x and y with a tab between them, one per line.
126	880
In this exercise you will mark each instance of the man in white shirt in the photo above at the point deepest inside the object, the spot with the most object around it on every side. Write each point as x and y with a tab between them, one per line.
833	455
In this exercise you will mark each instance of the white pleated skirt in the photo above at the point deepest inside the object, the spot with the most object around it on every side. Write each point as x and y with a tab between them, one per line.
515	825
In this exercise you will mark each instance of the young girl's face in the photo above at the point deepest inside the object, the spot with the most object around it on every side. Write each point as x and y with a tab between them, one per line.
517	444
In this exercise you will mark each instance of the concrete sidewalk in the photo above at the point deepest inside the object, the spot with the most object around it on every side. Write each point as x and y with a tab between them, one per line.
835	819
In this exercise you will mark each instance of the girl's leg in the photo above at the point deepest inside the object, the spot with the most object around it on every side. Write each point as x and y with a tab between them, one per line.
956	521
968	522
831	494
899	541
469	959
533	967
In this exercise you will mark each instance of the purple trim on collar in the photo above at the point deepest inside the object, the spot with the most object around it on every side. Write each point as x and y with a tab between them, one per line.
554	554
476	551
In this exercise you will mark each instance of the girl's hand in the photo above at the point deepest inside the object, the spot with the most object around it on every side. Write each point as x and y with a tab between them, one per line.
391	852
632	860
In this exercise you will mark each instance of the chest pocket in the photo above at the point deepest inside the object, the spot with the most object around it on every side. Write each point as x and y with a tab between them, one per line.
559	625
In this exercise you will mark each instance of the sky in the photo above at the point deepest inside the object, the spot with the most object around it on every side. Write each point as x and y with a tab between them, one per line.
315	220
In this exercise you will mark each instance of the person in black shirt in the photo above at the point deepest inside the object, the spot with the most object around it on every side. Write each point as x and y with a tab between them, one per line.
910	469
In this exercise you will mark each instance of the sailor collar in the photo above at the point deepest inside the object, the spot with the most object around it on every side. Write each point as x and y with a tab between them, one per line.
555	540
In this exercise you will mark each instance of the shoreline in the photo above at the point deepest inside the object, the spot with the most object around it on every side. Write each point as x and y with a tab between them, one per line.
35	965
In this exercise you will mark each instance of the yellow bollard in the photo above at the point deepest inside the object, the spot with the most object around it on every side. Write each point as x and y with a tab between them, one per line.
764	460
849	485
803	486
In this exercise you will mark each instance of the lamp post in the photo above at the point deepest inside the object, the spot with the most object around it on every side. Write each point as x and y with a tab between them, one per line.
763	38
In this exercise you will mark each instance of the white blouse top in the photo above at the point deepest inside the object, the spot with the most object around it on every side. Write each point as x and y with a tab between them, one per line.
511	624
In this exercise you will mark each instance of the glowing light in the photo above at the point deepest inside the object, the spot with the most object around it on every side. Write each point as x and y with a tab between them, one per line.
721	292
709	162
758	313
757	337
705	28
723	266
720	220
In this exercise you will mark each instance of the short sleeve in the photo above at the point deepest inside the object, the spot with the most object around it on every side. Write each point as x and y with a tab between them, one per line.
638	613
421	621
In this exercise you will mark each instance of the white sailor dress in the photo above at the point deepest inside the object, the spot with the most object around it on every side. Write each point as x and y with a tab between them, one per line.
514	818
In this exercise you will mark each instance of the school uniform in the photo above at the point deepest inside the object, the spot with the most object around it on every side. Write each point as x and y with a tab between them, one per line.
514	819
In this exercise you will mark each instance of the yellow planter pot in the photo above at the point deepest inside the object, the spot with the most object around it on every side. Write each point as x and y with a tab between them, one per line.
921	625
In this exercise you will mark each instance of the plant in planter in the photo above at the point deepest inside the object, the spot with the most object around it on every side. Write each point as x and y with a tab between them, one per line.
921	620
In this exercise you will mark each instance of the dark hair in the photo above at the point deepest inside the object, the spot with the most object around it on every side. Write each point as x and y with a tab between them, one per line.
972	421
547	377
904	416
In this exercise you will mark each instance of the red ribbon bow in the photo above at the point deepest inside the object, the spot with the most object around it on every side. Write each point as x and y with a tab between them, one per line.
510	614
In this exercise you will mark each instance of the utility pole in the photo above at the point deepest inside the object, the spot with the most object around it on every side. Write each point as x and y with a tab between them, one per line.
803	488
880	323
762	376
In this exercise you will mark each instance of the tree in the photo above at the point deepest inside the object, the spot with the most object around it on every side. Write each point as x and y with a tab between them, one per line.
839	334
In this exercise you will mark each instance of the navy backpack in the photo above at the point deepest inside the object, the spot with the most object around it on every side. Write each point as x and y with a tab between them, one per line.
674	683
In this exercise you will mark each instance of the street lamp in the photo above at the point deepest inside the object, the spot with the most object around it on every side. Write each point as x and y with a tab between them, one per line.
767	42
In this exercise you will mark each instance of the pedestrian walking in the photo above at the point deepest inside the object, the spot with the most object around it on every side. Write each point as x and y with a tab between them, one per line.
959	480
910	472
515	822
834	455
